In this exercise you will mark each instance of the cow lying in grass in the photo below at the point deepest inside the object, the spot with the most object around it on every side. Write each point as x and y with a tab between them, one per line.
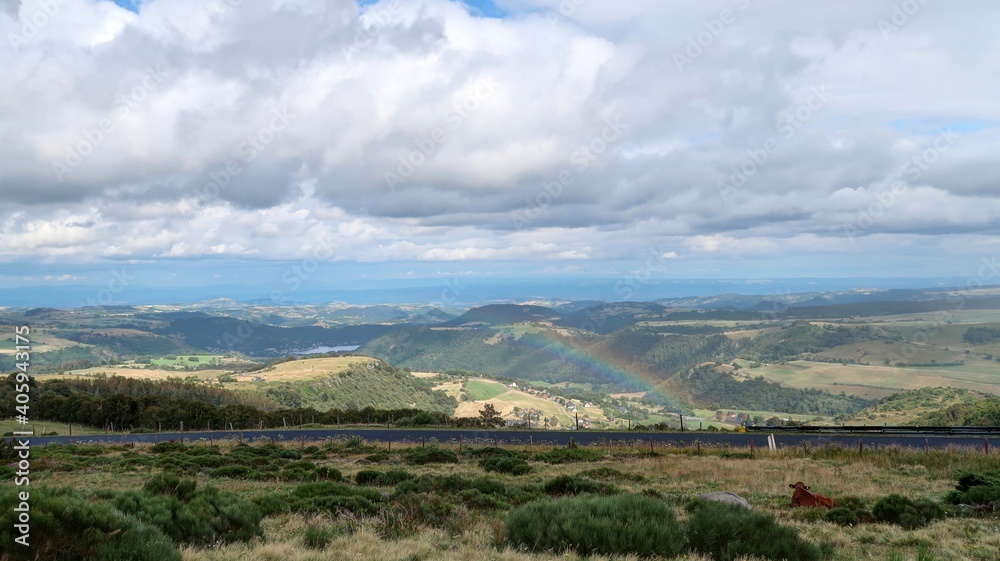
801	496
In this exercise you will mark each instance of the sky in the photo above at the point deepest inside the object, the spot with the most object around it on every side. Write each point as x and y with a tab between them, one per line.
275	143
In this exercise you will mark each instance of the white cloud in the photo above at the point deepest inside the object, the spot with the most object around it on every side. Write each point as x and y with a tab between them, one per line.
362	99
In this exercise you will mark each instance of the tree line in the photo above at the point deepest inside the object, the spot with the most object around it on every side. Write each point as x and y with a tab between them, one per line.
123	404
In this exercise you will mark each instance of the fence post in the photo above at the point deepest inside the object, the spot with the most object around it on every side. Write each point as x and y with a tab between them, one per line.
390	444
987	442
861	448
531	444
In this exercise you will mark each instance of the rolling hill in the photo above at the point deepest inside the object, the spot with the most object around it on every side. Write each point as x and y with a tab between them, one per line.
504	314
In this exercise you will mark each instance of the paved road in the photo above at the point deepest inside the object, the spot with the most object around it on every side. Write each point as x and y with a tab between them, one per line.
542	437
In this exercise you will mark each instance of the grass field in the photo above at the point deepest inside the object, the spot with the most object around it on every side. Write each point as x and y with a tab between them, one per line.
188	360
41	341
483	390
305	369
158	374
878	381
44	427
673	476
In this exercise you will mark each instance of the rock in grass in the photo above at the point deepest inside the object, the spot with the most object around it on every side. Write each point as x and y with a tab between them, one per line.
728	498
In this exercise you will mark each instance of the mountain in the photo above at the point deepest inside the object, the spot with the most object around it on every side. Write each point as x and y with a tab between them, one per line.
607	318
218	334
505	314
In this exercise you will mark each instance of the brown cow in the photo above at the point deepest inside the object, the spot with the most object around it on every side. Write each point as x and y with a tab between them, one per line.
803	497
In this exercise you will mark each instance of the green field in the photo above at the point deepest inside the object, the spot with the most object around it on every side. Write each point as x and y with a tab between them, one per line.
188	360
483	390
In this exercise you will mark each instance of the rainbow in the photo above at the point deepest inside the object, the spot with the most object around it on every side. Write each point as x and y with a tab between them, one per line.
603	364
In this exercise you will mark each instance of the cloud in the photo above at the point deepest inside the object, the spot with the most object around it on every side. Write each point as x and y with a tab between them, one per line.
278	130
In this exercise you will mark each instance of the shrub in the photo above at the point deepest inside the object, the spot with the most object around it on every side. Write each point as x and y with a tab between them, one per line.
316	537
235	472
726	532
425	508
329	473
173	461
481	493
851	502
975	488
981	495
67	527
382	478
502	464
493	451
597	525
272	503
334	497
969	479
899	510
609	473
377	457
573	485
206	516
842	516
430	455
568	455
171	446
170	484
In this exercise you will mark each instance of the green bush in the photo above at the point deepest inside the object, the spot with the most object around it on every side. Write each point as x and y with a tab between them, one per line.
329	473
235	472
205	516
726	532
842	516
424	508
67	527
334	497
316	537
272	503
430	455
981	495
573	485
493	451
899	510
568	455
505	464
609	473
378	457
480	493
597	525
171	446
382	478
969	479
975	488
851	502
170	484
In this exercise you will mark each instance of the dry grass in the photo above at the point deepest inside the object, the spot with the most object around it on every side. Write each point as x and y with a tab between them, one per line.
156	374
477	543
305	369
877	381
676	474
